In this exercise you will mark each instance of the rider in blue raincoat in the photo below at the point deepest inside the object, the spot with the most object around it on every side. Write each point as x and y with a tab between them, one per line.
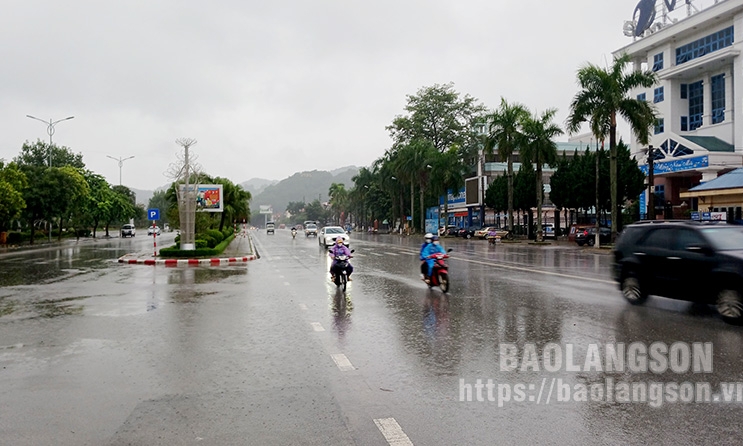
430	251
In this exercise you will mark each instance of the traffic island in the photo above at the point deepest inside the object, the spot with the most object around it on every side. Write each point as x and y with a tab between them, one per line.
236	249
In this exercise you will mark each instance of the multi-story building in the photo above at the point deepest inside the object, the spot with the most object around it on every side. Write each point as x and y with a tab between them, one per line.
695	50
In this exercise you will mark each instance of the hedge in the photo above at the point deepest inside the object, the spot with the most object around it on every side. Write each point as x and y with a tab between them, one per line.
173	251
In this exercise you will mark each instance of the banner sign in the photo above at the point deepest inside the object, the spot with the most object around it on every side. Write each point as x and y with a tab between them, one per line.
208	196
266	209
678	165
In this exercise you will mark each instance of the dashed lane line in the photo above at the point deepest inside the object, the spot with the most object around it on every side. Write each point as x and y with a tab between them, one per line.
392	432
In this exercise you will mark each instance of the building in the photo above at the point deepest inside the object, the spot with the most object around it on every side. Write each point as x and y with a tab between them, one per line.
696	53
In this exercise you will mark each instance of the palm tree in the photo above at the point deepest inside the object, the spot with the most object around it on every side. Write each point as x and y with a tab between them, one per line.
447	173
539	148
505	132
338	198
604	94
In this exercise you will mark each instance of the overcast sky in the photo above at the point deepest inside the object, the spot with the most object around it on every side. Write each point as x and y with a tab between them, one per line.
269	88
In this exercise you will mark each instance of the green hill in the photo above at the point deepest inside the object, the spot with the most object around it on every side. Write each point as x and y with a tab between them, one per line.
302	186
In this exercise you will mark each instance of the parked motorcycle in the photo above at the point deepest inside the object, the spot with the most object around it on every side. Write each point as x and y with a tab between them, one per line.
440	274
341	270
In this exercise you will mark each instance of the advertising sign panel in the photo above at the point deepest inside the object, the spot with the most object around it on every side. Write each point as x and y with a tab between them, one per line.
209	198
266	209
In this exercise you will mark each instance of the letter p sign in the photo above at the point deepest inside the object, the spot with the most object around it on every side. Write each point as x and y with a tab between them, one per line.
153	214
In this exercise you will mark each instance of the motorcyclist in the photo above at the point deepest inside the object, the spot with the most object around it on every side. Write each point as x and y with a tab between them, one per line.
294	231
428	239
430	252
339	249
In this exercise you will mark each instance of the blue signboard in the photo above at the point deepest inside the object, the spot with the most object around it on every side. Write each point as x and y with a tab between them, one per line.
678	165
643	207
695	215
453	199
153	214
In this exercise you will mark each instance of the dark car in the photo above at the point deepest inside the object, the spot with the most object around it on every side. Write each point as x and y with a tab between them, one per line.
682	260
452	231
466	232
587	236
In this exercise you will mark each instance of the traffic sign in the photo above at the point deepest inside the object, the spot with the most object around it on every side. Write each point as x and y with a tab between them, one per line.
153	214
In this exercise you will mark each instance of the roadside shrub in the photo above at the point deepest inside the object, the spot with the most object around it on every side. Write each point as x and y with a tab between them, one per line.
201	244
216	235
15	238
228	231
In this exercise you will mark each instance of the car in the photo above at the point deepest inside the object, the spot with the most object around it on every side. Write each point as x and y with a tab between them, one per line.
466	232
270	227
328	234
282	226
446	230
576	228
153	230
166	227
682	260
482	233
588	236
128	231
310	229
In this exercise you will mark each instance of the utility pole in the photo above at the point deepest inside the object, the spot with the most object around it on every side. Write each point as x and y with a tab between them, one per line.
597	242
651	183
187	215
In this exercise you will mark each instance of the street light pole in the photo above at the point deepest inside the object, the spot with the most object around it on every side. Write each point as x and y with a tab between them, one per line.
121	163
50	130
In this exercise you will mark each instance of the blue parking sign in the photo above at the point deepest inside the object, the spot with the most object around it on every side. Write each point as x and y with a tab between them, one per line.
153	214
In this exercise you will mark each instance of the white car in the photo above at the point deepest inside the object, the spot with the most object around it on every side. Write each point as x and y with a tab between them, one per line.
155	230
328	234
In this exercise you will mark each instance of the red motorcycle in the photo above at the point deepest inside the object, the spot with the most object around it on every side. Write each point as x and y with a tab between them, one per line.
440	275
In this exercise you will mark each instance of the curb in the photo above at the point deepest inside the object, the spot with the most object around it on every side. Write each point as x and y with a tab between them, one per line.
187	262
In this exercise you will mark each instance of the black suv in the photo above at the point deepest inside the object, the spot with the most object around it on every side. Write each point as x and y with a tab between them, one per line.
683	260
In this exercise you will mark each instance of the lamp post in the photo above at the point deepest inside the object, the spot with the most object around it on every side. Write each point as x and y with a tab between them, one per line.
50	130
121	163
651	184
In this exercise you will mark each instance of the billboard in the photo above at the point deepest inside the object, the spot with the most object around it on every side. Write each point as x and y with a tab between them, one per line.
209	198
472	194
266	209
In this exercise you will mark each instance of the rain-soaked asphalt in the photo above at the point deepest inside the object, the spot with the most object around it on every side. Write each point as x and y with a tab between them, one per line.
93	352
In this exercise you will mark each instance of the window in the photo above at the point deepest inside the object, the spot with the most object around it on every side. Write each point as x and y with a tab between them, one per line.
684	123
657	239
660	196
658	62
658	95
698	48
718	98
696	105
684	91
659	126
686	238
641	97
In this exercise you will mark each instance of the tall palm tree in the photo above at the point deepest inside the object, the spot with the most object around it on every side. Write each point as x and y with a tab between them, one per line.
604	94
338	198
447	173
505	132
539	148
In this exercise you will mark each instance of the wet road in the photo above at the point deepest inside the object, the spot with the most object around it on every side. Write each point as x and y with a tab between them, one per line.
94	352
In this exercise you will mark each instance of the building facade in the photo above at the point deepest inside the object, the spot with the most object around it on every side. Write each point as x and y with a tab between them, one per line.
696	55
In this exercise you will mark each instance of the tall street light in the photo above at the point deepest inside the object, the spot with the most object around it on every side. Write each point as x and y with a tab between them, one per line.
50	130
121	163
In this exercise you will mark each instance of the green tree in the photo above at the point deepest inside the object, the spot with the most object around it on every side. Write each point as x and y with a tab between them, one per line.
338	199
12	183
505	134
496	196
447	174
37	154
603	95
539	148
160	200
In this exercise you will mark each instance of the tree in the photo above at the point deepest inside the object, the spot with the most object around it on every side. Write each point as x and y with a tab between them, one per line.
604	94
538	147
12	183
505	134
496	196
160	200
447	174
37	154
338	199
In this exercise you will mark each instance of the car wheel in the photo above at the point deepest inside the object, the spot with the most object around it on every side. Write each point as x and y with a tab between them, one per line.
632	290
591	241
468	236
730	305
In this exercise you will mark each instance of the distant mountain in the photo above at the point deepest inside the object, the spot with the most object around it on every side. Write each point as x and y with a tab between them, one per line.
143	196
256	185
302	186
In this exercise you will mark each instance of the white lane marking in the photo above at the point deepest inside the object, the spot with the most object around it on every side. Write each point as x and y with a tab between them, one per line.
392	254
533	270
392	432
287	283
359	255
317	326
342	362
302	307
282	277
377	254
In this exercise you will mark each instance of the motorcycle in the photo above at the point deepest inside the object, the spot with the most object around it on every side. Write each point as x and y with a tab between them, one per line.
341	270
294	232
440	274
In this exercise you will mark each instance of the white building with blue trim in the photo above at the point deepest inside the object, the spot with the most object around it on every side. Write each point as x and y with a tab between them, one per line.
695	50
